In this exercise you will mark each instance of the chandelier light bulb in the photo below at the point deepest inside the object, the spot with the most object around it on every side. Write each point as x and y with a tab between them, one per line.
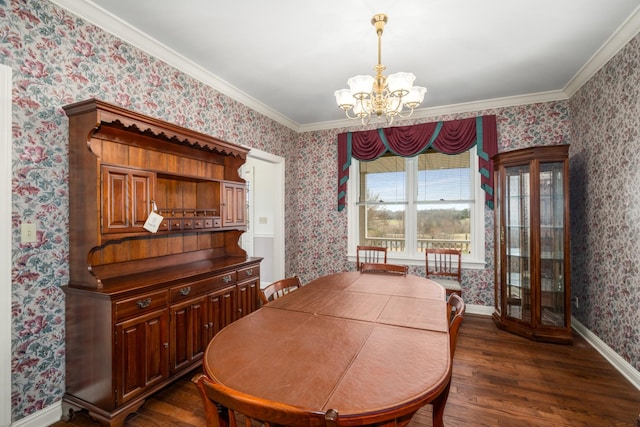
344	99
399	84
361	86
415	96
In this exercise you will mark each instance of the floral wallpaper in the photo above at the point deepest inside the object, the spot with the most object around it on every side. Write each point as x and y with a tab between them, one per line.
58	58
605	203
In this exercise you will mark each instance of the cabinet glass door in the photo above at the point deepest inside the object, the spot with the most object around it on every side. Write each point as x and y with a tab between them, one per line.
552	283
499	239
517	243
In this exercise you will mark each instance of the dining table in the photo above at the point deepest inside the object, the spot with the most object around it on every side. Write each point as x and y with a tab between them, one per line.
372	346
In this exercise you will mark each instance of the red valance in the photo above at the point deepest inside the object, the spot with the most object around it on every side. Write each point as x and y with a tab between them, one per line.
449	137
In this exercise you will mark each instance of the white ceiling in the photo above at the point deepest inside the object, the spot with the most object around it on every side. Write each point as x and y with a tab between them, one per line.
285	58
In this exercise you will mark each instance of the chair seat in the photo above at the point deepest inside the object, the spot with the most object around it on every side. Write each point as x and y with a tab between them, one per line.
452	285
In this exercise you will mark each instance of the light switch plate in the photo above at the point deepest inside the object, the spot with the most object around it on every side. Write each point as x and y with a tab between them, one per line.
28	233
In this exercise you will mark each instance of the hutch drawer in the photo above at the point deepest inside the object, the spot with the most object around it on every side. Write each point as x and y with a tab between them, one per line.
191	289
140	304
248	273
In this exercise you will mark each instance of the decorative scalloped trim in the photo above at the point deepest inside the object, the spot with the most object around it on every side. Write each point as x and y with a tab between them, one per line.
174	138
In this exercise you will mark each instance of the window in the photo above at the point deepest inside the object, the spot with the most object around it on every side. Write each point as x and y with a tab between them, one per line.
409	204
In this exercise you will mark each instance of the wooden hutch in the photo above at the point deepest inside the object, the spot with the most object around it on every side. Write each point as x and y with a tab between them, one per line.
142	306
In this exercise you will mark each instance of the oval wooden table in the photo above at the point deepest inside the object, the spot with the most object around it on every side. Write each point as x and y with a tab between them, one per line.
374	347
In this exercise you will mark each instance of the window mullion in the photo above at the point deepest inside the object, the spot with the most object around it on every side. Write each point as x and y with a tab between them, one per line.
411	220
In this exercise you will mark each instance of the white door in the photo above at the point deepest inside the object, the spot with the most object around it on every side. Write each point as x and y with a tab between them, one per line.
264	238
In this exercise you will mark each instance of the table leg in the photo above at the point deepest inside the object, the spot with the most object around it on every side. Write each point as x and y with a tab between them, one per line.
438	406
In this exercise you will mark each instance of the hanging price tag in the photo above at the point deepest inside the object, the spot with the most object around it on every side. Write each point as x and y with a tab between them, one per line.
153	220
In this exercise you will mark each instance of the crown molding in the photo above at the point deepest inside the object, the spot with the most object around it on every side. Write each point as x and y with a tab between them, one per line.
467	107
98	16
619	39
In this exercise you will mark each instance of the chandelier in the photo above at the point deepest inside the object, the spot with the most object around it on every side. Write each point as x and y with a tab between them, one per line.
381	96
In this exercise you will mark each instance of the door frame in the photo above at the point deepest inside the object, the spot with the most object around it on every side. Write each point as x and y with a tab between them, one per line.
278	214
5	250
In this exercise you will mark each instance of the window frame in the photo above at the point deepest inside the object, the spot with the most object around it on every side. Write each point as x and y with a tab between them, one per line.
474	260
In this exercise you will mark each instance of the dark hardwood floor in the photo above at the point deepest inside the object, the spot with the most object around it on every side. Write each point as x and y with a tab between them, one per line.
499	380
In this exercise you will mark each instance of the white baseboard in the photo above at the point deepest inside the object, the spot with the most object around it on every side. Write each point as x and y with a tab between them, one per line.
43	418
621	365
484	310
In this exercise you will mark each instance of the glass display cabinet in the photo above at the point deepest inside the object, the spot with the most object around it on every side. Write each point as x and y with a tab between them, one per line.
532	265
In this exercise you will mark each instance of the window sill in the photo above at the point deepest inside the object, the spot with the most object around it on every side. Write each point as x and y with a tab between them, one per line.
467	264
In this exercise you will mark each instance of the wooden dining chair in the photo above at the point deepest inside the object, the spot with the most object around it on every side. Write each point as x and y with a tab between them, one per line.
456	309
223	407
279	288
370	254
384	268
444	266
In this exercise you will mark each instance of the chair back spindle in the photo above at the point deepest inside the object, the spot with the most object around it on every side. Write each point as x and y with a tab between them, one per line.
444	266
279	288
370	254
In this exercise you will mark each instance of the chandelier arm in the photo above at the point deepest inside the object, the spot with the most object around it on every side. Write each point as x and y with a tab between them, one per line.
348	116
408	114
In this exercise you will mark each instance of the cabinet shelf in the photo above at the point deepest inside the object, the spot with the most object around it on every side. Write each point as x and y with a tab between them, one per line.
532	285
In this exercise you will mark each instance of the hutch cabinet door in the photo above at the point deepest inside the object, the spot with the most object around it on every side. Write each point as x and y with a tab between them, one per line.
248	297
141	354
188	334
127	196
221	310
233	204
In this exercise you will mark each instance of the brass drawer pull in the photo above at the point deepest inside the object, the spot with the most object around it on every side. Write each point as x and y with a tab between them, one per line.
144	303
250	272
227	278
185	291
